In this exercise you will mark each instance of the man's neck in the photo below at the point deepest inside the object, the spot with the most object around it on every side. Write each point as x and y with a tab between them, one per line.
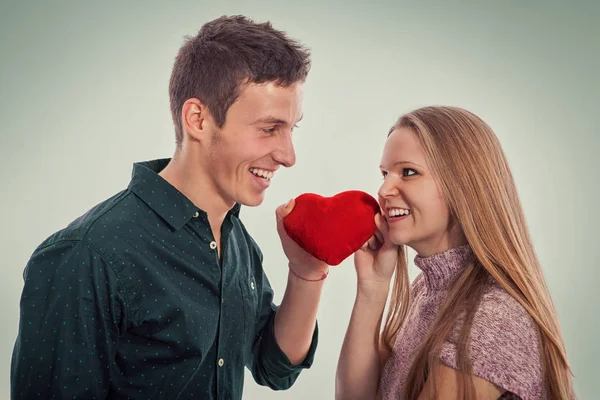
191	180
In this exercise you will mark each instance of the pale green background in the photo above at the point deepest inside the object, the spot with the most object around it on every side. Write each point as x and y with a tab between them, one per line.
83	94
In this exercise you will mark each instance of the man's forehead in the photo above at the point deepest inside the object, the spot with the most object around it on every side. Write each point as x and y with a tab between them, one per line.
270	104
270	88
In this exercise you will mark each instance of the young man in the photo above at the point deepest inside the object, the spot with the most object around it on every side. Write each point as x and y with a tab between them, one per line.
159	291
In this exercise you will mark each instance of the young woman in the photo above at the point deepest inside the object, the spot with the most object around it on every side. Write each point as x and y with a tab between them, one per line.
478	321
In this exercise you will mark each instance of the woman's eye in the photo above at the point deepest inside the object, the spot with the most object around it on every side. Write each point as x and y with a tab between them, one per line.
409	172
384	173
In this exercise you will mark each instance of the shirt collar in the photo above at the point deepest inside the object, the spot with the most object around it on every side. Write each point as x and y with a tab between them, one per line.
162	197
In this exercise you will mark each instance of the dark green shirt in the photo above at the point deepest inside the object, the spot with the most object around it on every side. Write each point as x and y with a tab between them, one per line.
131	301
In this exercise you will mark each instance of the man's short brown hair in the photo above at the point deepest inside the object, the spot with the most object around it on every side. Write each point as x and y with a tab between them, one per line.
227	52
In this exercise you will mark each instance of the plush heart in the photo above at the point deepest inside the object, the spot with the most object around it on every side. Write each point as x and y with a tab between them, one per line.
332	228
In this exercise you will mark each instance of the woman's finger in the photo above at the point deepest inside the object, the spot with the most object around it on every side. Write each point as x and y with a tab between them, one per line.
379	235
381	223
372	243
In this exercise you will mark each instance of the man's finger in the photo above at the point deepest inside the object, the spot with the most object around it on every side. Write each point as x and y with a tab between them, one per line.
283	210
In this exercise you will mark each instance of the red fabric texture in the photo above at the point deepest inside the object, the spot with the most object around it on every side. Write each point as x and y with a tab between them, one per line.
332	228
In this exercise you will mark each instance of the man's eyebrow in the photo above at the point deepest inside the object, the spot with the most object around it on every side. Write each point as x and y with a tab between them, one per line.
272	120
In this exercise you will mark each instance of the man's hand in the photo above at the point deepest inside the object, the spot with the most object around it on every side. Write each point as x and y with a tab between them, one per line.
301	262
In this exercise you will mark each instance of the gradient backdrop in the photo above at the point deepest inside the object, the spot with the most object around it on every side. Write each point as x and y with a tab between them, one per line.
83	94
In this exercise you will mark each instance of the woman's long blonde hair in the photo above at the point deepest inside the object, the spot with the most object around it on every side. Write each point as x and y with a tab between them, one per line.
474	176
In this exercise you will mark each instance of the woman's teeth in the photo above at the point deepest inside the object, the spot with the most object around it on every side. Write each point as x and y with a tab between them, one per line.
261	173
395	212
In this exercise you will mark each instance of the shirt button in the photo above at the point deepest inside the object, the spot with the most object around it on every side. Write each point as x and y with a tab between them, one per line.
196	214
252	285
213	245
221	362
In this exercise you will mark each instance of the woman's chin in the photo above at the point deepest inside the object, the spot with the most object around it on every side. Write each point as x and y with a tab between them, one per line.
399	240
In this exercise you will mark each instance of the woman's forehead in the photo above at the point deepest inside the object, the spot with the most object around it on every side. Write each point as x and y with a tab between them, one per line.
403	145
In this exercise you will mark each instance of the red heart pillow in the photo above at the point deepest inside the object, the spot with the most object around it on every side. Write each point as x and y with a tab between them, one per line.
332	228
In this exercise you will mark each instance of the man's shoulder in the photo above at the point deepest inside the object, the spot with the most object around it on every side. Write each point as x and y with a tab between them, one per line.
106	214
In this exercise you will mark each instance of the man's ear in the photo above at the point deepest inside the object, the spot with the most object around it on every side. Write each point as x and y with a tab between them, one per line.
196	119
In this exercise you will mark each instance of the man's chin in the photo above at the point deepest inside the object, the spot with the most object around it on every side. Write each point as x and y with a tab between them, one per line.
252	201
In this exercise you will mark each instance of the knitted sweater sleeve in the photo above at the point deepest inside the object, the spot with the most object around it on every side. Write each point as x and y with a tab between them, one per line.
504	346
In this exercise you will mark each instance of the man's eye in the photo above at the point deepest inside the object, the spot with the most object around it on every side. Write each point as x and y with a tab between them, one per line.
269	130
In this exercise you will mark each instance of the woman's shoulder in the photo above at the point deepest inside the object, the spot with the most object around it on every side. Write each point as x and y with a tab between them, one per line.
504	345
499	310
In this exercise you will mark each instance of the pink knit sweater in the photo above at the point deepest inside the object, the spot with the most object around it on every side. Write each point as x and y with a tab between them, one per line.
504	341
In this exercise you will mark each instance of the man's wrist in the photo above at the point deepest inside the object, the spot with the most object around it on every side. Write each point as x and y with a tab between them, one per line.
309	274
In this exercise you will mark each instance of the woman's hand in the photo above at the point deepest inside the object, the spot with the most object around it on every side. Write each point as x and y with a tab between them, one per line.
375	261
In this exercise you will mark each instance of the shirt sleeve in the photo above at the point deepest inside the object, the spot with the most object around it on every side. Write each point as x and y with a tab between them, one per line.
269	364
70	317
504	346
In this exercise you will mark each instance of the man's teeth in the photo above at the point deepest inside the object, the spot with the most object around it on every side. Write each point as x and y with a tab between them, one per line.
262	173
394	212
